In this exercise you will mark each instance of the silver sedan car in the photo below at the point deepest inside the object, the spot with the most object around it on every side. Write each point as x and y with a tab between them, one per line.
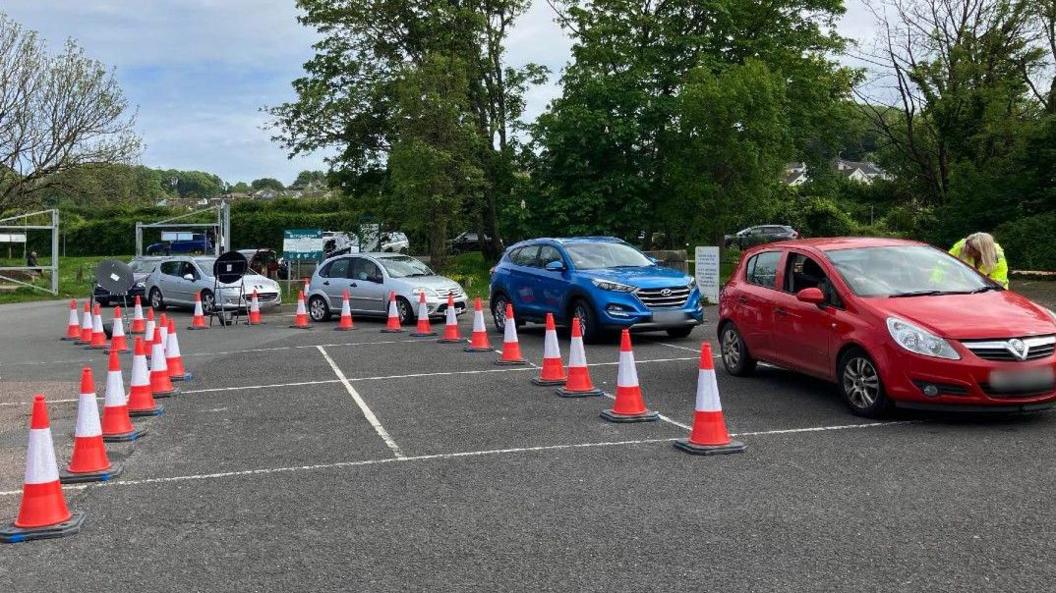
177	279
370	277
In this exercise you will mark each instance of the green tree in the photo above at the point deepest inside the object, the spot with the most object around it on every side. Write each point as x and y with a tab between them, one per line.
241	188
348	98
309	178
267	183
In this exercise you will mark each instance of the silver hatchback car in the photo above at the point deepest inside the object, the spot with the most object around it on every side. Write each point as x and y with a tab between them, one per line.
370	277
177	279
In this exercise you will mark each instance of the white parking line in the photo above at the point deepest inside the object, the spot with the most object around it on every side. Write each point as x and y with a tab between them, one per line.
443	456
367	413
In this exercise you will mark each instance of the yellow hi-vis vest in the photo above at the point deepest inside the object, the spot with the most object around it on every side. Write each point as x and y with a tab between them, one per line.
998	273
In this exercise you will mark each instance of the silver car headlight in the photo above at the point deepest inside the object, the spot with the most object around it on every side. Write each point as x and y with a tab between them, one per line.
614	286
919	341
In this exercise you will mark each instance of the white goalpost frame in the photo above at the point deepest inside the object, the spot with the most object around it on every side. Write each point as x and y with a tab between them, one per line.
25	226
222	226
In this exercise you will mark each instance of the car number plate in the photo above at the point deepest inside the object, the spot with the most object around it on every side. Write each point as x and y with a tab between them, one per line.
1032	380
668	316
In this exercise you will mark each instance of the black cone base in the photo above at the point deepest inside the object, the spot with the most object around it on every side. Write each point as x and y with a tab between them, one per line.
647	416
12	534
731	447
68	477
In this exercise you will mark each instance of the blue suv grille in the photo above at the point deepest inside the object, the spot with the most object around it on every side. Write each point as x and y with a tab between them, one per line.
658	298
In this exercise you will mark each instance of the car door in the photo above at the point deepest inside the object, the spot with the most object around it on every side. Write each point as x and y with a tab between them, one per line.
551	286
334	276
522	278
367	286
165	279
755	299
803	332
188	288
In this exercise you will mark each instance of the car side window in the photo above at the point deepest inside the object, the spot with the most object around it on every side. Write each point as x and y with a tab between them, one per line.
364	270
548	254
761	269
803	272
188	268
337	269
170	268
525	256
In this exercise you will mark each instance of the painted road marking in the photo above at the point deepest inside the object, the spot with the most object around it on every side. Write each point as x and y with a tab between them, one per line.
371	418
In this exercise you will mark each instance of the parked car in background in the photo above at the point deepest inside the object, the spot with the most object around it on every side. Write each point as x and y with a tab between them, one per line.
266	262
603	281
757	235
370	277
186	244
176	280
891	322
141	268
466	242
369	240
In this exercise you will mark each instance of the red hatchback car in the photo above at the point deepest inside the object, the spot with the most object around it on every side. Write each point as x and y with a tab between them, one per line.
891	322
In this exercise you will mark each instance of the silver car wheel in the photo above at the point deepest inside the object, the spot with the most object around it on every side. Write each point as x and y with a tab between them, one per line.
731	348
317	309
861	382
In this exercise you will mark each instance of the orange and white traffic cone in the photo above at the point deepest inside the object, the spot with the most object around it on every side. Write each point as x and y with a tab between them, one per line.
149	328
629	406
392	325
553	370
141	397
173	360
160	383
254	310
451	332
161	335
300	321
709	435
198	321
478	340
73	326
118	341
117	425
89	462
423	330
43	512
98	341
139	325
86	325
511	347
346	315
578	383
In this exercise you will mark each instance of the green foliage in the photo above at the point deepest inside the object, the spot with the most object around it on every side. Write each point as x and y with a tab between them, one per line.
267	183
1025	244
308	178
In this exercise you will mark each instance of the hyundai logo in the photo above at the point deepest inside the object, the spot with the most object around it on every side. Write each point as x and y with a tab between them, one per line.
665	292
1018	348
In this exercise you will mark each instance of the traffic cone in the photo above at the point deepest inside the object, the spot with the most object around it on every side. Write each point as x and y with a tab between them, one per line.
173	360
117	426
139	325
511	348
160	383
424	330
392	326
579	383
553	371
254	310
709	436
149	328
346	315
141	397
629	406
301	320
478	341
98	341
118	341
161	335
73	326
89	462
43	512
86	325
451	333
198	321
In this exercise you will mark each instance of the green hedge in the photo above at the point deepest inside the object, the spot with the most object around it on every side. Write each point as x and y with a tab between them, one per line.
1026	242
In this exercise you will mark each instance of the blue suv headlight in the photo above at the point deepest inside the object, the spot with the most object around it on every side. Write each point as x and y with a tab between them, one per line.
616	286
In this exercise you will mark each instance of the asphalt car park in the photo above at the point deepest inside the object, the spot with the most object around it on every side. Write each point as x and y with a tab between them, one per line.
322	460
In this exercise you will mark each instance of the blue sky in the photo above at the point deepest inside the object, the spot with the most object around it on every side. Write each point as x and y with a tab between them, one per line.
200	70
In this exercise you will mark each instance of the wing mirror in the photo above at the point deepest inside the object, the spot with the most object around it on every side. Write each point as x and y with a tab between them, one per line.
813	296
189	277
555	266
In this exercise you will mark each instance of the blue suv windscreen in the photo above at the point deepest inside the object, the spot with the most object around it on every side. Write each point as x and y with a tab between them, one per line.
595	256
404	267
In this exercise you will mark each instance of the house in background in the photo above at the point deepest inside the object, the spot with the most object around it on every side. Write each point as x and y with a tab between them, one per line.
857	171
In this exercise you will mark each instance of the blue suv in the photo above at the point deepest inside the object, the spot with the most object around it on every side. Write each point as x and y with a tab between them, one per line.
605	282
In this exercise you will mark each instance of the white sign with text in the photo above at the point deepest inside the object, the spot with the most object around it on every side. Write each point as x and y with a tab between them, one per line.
708	272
